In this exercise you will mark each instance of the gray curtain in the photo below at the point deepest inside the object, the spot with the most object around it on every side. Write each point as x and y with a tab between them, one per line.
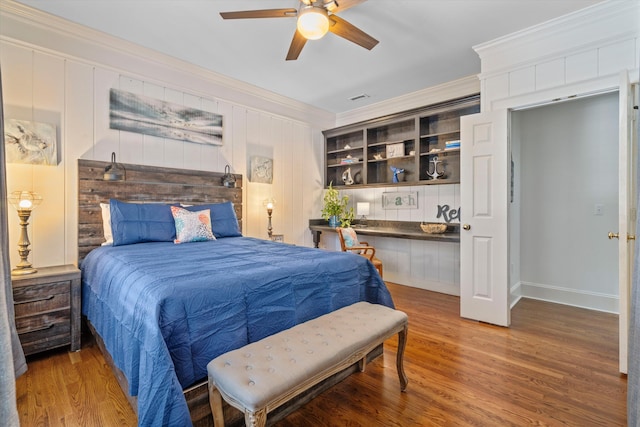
633	378
12	362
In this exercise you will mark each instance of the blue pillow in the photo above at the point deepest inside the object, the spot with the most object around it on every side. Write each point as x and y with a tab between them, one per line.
141	222
224	221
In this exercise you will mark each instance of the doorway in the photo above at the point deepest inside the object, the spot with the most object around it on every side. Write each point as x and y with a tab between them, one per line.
565	202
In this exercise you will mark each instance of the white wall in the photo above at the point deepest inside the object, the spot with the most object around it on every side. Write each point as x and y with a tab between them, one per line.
57	72
569	165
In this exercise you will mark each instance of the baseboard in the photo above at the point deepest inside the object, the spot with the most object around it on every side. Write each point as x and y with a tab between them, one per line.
515	294
560	295
429	285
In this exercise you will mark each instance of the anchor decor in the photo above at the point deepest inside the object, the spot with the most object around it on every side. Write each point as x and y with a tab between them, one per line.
435	174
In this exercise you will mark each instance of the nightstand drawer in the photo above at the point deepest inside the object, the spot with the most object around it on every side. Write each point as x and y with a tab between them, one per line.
42	322
43	332
42	303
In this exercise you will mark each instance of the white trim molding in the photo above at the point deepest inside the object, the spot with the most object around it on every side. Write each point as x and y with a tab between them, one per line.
432	95
21	24
567	296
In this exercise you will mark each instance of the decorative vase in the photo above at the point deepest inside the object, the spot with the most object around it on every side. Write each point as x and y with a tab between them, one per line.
333	221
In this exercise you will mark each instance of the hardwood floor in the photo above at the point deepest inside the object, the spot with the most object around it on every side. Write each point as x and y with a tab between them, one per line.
556	365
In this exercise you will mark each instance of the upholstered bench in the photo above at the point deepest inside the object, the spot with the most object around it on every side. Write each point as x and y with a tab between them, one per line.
263	375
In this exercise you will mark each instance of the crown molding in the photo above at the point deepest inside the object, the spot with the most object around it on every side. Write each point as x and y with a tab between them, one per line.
600	24
22	24
465	86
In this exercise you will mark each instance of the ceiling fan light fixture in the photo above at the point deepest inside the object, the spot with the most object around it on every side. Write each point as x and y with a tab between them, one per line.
313	22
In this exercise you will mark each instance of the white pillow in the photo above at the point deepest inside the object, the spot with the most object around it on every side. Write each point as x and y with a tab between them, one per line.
106	223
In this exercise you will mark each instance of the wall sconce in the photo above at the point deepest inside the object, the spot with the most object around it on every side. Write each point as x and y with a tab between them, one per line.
269	204
24	202
115	171
362	208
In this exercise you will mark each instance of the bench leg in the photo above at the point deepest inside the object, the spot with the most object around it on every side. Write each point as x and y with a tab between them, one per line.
255	419
402	343
215	401
362	363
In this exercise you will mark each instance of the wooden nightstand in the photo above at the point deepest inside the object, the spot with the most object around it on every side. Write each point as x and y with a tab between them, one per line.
47	306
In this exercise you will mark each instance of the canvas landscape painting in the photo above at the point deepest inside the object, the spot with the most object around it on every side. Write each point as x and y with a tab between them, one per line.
141	114
30	142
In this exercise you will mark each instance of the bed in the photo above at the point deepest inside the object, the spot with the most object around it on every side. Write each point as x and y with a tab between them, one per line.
162	311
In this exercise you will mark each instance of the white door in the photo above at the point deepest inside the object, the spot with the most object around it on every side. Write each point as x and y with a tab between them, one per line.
626	213
484	187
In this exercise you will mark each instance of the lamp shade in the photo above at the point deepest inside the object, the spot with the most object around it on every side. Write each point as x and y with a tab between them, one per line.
269	203
115	171
362	208
25	200
313	22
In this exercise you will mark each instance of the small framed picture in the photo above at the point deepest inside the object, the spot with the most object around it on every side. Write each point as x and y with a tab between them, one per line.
277	238
395	150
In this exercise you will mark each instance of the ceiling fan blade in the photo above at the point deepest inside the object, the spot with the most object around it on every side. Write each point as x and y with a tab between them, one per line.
297	44
344	29
264	13
335	6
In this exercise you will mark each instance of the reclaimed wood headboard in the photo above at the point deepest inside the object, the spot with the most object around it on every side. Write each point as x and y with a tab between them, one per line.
144	184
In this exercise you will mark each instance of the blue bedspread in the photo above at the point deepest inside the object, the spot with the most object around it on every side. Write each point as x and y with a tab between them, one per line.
164	310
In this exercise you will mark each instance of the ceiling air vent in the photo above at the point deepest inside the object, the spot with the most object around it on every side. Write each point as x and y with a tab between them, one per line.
357	97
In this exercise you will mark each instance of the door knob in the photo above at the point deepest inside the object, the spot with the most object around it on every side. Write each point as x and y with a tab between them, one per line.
631	237
612	235
466	227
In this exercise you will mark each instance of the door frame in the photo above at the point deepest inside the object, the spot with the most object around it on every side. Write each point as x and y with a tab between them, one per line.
579	90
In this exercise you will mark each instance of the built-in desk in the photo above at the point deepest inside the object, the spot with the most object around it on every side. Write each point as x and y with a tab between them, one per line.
397	229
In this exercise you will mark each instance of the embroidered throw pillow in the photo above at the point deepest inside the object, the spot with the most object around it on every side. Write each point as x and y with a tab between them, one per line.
350	237
192	226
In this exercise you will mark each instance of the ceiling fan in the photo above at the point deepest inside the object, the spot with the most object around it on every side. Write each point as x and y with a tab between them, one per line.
315	18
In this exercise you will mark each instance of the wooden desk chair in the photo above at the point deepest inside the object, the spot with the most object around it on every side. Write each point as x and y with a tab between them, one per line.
349	243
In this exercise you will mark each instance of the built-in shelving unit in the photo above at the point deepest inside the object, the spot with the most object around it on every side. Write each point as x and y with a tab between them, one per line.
411	143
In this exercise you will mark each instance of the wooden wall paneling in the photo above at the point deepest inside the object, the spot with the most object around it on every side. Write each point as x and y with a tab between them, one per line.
256	216
495	87
78	139
238	142
153	146
617	56
106	140
581	66
550	74
17	97
447	262
417	257
297	163
131	143
312	175
47	237
224	154
430	203
522	81
278	188
431	261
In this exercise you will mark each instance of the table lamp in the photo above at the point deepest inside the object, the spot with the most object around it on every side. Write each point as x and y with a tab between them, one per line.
24	202
362	208
269	204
